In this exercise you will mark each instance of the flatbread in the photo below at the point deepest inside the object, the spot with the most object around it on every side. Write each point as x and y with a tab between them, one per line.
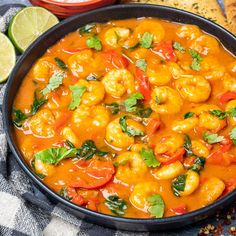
209	9
230	8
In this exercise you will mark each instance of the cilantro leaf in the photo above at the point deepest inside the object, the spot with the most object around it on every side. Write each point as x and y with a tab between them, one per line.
198	164
156	205
88	150
178	47
218	113
77	92
64	193
232	112
146	40
196	62
55	155
113	107
128	129
188	115
149	158
86	29
232	135
188	145
131	102
20	116
141	64
116	205
178	184
212	138
54	82
143	112
61	63
94	42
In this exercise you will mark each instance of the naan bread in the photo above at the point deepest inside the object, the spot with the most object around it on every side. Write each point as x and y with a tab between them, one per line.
230	8
209	9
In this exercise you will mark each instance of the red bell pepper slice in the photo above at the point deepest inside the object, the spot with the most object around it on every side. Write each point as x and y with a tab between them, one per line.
166	50
224	98
180	210
143	83
171	158
95	174
230	185
75	197
153	125
116	59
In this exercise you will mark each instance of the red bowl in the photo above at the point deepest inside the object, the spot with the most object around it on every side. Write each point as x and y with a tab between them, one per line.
66	9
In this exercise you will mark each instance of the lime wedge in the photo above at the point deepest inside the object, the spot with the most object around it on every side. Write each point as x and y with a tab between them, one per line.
7	57
29	24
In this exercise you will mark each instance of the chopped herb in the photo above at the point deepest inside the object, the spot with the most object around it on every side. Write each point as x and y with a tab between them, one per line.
41	176
178	47
156	205
91	77
70	144
232	112
128	129
94	42
61	63
178	184
88	150
131	102
220	114
55	155
158	100
143	112
131	48
77	92
212	138
86	29
146	40
54	82
198	164
64	193
149	158
116	205
188	115
188	145
232	135
141	64
196	63
20	116
113	107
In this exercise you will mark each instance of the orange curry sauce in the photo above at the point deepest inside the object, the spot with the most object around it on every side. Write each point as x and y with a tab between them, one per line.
153	161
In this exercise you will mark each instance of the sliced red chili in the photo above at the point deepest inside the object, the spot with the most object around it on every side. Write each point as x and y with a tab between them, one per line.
166	50
143	84
180	210
224	98
94	174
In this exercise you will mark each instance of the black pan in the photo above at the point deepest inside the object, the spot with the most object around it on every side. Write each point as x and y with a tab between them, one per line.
38	48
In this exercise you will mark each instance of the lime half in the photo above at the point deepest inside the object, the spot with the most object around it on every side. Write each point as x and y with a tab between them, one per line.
29	24
7	57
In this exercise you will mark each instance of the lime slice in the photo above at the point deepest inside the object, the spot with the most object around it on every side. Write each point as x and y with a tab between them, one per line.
7	57
29	24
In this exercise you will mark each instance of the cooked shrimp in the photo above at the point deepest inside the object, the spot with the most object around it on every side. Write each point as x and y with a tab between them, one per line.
44	68
194	88
137	147
165	100
184	126
115	34
170	143
41	124
176	71
141	192
199	148
205	45
94	93
232	68
154	28
116	137
44	168
188	32
207	120
83	63
229	83
69	134
117	82
97	116
132	168
231	105
159	75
